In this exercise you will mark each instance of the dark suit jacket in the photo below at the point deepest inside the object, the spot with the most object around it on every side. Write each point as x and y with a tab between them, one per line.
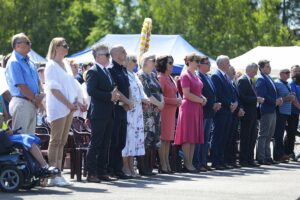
209	93
247	95
99	87
265	89
224	90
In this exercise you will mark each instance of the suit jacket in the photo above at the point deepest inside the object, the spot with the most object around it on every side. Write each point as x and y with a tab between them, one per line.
236	98
247	94
209	92
224	90
99	87
265	89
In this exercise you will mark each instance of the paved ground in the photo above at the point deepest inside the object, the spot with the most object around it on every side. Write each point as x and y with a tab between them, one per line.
267	182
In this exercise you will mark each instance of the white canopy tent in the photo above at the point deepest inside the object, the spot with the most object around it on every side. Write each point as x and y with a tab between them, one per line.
173	45
36	58
279	57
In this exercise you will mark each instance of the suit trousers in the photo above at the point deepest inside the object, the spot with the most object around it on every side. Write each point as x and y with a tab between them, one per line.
248	135
118	142
291	130
231	146
278	150
222	123
97	154
266	132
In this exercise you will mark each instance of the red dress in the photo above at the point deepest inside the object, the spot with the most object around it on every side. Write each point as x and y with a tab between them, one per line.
169	90
190	118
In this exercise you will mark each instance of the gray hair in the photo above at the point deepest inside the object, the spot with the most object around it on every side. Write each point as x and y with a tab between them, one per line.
146	56
129	58
98	48
251	66
115	49
17	37
221	58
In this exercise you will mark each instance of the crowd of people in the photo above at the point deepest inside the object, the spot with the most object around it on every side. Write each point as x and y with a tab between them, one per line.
139	114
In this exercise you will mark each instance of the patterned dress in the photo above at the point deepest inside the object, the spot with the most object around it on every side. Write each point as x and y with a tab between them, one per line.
151	114
135	123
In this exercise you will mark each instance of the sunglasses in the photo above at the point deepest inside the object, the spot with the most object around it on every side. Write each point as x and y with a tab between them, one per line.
26	42
197	61
152	59
105	54
66	46
170	62
134	61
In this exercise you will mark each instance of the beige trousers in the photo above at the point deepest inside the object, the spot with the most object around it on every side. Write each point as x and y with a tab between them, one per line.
58	138
23	114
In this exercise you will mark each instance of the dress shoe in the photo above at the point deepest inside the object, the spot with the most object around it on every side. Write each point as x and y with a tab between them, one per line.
208	168
107	178
218	167
264	162
147	174
122	175
253	164
93	179
245	164
202	169
273	162
226	166
235	165
283	159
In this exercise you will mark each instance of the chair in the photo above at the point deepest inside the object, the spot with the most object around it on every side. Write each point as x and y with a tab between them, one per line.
81	138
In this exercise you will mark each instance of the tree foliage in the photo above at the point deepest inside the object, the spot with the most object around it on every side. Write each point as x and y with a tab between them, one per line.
215	27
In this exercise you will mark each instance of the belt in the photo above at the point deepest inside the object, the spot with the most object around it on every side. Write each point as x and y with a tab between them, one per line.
22	98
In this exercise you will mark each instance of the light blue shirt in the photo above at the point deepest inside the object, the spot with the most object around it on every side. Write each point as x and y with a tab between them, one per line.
20	70
283	91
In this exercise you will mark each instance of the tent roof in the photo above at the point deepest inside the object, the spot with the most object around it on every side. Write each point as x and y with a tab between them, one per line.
36	58
279	57
173	45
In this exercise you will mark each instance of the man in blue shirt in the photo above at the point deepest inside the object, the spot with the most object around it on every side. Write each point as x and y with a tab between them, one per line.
23	82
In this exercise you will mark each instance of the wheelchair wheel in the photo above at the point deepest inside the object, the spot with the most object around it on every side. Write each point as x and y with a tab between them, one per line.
11	179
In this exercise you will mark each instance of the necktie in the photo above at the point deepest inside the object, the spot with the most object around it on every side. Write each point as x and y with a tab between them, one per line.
107	74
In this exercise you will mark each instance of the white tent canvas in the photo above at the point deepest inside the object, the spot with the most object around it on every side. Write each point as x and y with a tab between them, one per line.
36	58
279	57
173	45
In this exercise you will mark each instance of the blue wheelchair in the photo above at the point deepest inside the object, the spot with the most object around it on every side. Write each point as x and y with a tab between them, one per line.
18	168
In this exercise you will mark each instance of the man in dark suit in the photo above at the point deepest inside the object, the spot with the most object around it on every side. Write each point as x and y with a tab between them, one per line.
100	87
265	87
118	140
222	118
212	106
231	145
248	131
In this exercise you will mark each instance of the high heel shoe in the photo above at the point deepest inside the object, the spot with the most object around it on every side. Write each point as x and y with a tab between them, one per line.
161	171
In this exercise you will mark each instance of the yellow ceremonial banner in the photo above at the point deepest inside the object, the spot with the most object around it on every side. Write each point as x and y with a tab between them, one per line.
145	36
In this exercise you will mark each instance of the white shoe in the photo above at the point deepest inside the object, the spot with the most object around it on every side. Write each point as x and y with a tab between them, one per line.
51	182
61	182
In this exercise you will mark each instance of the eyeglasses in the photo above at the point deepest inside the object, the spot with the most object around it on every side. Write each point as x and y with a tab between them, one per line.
105	54
25	42
66	46
152	59
197	61
170	62
205	63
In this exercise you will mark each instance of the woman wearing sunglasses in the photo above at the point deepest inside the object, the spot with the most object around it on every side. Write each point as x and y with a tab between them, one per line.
61	98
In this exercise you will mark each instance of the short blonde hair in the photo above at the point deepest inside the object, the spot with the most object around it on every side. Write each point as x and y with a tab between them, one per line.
54	43
146	56
191	57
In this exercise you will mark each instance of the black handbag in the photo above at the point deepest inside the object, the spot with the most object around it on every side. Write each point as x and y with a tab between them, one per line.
6	145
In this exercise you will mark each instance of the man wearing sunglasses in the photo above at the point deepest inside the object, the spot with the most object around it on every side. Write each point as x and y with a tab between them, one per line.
24	85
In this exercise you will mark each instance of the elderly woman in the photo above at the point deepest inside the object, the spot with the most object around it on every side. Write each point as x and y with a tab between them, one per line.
151	113
164	65
61	98
135	125
189	129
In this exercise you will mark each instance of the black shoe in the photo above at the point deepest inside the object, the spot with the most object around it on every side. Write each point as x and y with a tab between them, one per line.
235	165
93	179
263	162
49	171
218	167
253	164
107	178
226	166
122	175
273	162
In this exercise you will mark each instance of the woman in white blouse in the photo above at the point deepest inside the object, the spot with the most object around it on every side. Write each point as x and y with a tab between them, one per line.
61	102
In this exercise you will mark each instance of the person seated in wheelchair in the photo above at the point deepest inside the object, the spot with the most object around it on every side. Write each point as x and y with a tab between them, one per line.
30	143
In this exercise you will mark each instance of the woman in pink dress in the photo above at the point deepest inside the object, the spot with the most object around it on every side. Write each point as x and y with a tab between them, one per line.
189	130
164	65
